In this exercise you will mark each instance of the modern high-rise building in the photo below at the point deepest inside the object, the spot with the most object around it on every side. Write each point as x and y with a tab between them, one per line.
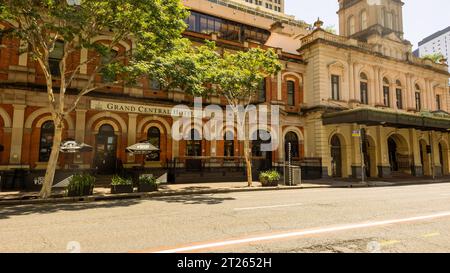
275	5
438	42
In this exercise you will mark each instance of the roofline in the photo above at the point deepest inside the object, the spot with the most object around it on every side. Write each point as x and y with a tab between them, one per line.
434	36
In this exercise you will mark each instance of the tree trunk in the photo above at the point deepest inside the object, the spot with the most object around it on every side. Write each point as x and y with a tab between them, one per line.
46	190
248	162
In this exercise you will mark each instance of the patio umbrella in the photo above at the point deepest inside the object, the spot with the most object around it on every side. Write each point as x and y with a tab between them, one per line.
74	147
142	148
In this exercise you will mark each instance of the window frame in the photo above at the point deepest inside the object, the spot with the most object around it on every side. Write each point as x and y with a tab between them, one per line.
290	90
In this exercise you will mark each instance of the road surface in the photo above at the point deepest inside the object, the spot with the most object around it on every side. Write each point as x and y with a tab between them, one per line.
387	219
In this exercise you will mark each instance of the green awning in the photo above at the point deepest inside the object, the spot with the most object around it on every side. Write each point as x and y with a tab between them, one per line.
372	117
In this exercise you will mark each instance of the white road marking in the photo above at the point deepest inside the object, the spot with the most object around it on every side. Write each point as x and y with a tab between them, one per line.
269	207
301	233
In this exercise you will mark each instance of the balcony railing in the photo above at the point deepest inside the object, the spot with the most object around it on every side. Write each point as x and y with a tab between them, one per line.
321	34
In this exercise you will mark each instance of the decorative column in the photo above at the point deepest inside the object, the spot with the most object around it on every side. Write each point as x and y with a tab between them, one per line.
417	169
132	121
15	156
355	151
80	131
351	83
279	86
384	169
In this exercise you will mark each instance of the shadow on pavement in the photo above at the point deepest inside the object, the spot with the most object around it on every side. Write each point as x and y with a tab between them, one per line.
195	199
21	210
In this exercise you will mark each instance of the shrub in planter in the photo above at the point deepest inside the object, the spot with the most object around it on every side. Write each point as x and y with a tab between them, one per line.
81	185
121	185
269	178
147	184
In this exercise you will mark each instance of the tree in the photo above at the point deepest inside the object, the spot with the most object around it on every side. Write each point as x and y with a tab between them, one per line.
187	68
435	57
331	29
153	26
237	77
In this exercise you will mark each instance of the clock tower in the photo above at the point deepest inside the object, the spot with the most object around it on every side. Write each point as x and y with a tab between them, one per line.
360	19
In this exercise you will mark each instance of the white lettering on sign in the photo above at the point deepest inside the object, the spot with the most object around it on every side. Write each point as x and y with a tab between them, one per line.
138	109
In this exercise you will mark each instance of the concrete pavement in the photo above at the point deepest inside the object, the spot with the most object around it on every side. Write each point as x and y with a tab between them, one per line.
176	222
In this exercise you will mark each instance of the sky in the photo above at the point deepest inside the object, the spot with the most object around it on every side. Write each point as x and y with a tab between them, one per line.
421	18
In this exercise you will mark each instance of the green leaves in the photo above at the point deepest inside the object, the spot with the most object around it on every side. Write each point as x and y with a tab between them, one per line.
238	75
152	26
186	68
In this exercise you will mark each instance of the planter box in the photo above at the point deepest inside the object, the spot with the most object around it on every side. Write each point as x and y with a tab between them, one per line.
121	189
147	188
266	183
85	192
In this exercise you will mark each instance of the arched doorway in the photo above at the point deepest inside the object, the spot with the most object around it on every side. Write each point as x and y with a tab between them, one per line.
291	139
370	160
154	137
336	157
262	156
443	158
425	158
392	151
106	150
398	154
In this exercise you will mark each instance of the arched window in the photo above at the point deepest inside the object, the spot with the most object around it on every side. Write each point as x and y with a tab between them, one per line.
351	25
364	83
154	137
228	144
418	98
107	75
399	95
260	137
363	20
55	57
388	19
194	144
262	91
382	17
291	93
394	21
292	139
46	141
386	93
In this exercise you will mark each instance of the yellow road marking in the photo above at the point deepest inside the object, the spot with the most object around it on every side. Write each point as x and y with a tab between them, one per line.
429	235
389	243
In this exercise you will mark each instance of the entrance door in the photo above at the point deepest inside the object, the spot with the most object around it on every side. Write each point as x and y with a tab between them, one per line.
393	160
441	159
259	149
336	157
105	150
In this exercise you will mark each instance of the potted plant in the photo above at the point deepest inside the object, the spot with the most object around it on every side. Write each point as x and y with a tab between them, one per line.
80	185
147	184
269	178
121	185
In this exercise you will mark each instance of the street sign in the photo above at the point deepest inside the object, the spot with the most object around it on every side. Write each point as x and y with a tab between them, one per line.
356	133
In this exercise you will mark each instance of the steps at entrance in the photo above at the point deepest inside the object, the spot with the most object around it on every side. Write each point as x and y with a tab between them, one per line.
400	175
103	180
198	177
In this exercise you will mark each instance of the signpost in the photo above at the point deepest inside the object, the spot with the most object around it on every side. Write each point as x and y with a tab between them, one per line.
360	133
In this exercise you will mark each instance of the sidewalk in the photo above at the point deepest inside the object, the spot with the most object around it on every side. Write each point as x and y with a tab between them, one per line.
101	193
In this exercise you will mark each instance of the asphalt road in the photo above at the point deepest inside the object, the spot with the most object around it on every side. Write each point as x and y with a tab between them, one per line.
388	219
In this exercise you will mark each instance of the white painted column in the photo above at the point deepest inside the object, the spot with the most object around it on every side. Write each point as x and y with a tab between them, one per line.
17	134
